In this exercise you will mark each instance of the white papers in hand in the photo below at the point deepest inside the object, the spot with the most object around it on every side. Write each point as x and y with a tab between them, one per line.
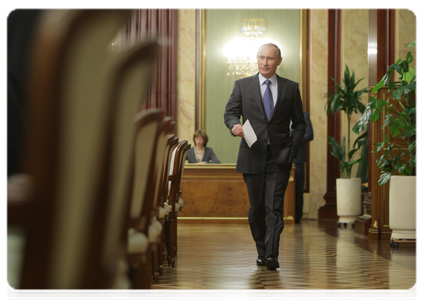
249	134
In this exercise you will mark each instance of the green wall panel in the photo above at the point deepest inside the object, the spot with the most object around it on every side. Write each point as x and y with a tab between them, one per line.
222	27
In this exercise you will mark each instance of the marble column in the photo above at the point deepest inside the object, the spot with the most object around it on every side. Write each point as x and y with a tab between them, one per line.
318	87
186	73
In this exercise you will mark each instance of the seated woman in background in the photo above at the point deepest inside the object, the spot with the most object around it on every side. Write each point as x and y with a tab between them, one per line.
200	153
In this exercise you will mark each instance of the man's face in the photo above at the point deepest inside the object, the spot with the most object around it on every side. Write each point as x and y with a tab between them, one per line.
268	60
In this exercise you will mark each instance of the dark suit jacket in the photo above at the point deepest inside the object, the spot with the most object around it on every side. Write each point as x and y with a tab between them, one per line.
308	136
208	157
246	101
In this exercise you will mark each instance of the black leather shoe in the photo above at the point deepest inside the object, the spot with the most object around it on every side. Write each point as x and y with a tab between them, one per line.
272	263
261	261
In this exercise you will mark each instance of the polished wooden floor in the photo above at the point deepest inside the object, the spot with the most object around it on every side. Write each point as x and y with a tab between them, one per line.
313	255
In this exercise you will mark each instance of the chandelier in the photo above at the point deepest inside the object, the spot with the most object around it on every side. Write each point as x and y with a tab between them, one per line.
241	52
253	28
241	66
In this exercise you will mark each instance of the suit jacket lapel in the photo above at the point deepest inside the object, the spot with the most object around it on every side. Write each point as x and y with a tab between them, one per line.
281	94
255	83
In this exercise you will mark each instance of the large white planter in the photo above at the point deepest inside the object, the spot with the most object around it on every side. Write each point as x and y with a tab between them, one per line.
348	199
402	207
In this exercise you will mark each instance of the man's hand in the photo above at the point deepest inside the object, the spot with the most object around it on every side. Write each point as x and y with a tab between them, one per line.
237	130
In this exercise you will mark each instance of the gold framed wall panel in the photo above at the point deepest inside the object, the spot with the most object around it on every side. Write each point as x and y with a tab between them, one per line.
202	118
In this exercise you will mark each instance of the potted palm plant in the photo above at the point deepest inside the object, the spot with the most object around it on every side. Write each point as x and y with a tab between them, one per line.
398	148
348	190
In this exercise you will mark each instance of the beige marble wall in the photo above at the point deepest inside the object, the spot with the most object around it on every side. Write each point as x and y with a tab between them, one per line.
186	73
405	33
318	87
355	36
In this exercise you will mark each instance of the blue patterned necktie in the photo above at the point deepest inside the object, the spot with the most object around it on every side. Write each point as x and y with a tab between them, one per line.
268	100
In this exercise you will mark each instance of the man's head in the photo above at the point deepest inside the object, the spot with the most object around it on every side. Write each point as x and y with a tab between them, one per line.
268	59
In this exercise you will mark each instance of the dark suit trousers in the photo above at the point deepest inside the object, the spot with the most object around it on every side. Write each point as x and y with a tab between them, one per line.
266	192
299	190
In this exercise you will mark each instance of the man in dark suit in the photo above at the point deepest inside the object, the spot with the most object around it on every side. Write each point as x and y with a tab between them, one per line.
270	103
299	169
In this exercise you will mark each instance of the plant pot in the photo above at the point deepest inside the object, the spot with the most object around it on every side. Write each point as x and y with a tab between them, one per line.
348	199
402	207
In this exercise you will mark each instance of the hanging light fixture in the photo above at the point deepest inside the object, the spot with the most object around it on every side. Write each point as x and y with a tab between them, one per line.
241	66
253	28
241	52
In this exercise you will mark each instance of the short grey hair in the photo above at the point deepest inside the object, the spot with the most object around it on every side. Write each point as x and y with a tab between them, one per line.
271	44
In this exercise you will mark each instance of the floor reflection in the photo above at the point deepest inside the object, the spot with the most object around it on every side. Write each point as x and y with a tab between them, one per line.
406	255
313	255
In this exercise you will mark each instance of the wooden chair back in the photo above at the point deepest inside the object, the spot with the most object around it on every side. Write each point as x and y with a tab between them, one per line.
175	177
149	125
66	123
145	202
162	158
176	171
172	141
135	69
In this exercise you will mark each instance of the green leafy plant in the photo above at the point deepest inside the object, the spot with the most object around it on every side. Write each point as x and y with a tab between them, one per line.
347	99
400	116
340	153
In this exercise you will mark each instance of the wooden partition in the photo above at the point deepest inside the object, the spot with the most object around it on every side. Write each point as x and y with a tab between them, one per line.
215	193
380	194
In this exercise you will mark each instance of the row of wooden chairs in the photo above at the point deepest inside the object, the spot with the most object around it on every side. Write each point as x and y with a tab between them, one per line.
154	228
88	209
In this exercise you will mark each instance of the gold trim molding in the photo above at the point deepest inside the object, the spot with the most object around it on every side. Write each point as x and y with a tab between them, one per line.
303	55
202	48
